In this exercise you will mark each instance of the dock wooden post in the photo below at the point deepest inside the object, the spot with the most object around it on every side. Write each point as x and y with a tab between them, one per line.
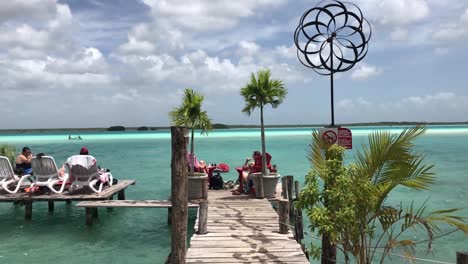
179	194
462	257
202	217
283	216
290	185
297	189
259	188
284	188
205	189
169	216
28	210
89	216
298	225
95	213
51	206
121	195
110	209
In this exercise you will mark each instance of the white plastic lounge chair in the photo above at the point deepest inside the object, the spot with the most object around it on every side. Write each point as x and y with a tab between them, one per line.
8	177
46	173
84	171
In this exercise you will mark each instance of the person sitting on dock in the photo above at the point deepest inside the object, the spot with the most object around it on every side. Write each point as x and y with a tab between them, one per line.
202	167
23	162
255	166
84	151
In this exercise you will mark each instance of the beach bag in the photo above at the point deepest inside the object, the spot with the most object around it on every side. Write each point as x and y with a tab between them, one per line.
216	182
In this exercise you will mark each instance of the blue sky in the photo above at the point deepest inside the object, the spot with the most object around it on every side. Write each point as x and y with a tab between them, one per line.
96	63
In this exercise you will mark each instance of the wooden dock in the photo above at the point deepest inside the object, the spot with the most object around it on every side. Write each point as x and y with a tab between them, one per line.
81	194
242	229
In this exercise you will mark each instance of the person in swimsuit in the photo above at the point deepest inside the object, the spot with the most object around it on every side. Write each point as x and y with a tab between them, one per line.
23	161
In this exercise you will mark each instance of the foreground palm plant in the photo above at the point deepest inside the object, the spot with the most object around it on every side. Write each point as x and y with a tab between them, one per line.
352	206
190	114
8	151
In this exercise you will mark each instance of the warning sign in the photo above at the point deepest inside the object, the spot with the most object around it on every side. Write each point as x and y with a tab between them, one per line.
339	135
345	138
330	136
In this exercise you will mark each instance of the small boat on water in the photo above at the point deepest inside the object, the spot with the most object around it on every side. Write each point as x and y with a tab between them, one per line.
74	138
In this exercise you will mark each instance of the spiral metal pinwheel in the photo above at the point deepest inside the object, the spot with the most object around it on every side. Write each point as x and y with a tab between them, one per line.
332	37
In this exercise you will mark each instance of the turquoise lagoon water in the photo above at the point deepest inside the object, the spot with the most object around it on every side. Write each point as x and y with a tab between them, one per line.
142	235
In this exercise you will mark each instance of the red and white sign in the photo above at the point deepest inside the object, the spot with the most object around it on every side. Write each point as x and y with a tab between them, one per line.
345	138
330	136
339	135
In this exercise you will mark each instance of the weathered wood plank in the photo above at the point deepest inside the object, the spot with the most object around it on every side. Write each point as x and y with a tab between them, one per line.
242	229
81	194
132	203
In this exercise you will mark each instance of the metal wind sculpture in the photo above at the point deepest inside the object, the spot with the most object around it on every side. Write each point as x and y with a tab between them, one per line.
332	37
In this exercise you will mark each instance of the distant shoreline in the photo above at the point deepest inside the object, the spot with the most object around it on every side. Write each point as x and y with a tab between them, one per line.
223	126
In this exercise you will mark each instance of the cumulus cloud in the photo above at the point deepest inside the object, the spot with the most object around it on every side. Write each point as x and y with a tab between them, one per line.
365	71
37	10
449	32
206	14
395	12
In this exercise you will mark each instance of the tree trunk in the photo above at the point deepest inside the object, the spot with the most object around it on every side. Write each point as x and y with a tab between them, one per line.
328	251
192	157
262	132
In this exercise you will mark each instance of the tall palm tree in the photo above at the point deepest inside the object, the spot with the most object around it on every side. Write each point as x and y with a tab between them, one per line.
190	114
259	92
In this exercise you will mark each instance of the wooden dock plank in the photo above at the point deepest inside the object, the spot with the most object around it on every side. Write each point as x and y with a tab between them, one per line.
132	203
242	229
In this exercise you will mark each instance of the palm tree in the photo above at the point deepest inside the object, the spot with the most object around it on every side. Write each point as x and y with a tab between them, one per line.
190	114
259	92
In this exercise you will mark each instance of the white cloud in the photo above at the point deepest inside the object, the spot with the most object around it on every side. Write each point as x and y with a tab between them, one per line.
449	32
464	17
395	12
205	15
247	48
134	46
365	71
287	52
88	60
399	34
38	10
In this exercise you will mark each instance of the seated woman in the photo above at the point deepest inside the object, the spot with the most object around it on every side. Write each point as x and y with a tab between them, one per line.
245	183
199	166
202	167
23	161
257	156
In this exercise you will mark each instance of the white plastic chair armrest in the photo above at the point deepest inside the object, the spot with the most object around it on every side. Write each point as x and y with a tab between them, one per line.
53	182
111	179
91	186
5	186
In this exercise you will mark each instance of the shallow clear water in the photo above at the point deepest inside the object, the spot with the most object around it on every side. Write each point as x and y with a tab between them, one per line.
142	235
